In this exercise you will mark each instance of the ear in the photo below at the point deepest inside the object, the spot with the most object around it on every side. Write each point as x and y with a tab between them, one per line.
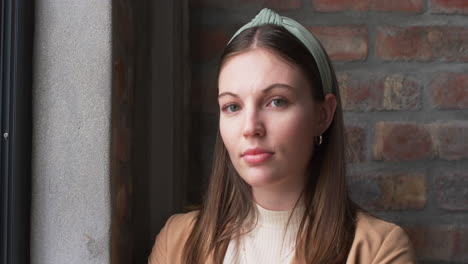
327	110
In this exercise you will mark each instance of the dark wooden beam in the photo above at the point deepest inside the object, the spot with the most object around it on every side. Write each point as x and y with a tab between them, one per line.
150	111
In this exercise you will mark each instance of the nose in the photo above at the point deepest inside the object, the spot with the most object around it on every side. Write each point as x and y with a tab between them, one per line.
253	126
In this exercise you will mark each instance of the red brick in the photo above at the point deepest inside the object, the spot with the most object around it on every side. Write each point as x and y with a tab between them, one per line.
377	91
360	93
274	4
356	144
410	6
208	44
399	191
341	5
451	139
449	6
402	141
403	191
401	92
450	91
423	43
366	5
439	242
343	43
365	190
282	4
461	244
432	243
451	190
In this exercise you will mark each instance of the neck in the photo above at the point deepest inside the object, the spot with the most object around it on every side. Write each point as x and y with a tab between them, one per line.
277	198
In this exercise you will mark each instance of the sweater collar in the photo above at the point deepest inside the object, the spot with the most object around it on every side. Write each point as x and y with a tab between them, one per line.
279	219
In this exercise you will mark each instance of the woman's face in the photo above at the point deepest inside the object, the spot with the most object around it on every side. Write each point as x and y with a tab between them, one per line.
268	119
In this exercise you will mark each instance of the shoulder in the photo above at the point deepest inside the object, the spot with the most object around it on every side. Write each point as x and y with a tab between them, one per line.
372	228
169	242
179	223
378	241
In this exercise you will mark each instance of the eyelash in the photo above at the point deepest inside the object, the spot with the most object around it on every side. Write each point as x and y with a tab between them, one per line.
225	108
281	99
285	103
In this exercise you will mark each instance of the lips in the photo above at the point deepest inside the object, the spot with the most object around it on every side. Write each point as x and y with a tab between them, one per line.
256	155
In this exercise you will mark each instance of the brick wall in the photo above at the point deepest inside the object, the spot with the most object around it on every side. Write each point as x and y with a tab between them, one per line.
402	69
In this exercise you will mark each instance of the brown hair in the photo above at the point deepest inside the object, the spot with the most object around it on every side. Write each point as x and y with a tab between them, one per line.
327	228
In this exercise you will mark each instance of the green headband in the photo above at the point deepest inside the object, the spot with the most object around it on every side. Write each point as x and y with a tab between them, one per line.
267	16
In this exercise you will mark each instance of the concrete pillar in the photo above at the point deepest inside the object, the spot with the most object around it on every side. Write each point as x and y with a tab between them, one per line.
70	221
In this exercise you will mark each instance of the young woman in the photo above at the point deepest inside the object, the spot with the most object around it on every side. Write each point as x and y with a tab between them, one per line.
278	191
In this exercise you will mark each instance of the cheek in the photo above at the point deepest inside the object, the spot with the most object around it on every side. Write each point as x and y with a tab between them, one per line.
297	135
228	131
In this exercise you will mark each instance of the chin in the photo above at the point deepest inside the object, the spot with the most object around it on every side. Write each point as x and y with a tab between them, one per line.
259	178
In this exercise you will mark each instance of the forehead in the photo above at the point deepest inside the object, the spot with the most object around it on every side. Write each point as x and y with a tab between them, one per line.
257	69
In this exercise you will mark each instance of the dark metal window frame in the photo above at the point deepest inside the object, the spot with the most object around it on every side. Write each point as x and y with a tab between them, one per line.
17	29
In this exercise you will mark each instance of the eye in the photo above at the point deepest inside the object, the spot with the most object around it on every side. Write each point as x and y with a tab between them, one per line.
231	108
278	102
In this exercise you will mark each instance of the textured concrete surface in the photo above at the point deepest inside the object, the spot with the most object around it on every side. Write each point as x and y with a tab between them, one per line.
71	132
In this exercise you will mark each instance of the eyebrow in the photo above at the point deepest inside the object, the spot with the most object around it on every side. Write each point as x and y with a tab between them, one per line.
264	91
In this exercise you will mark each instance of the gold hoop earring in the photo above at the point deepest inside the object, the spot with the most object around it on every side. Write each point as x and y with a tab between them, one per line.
320	140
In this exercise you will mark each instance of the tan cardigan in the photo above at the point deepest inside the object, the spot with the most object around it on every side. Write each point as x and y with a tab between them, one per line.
375	242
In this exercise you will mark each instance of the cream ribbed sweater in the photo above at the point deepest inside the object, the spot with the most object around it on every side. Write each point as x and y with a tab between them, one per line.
268	242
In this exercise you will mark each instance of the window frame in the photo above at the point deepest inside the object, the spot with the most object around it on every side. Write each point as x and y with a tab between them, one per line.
16	48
